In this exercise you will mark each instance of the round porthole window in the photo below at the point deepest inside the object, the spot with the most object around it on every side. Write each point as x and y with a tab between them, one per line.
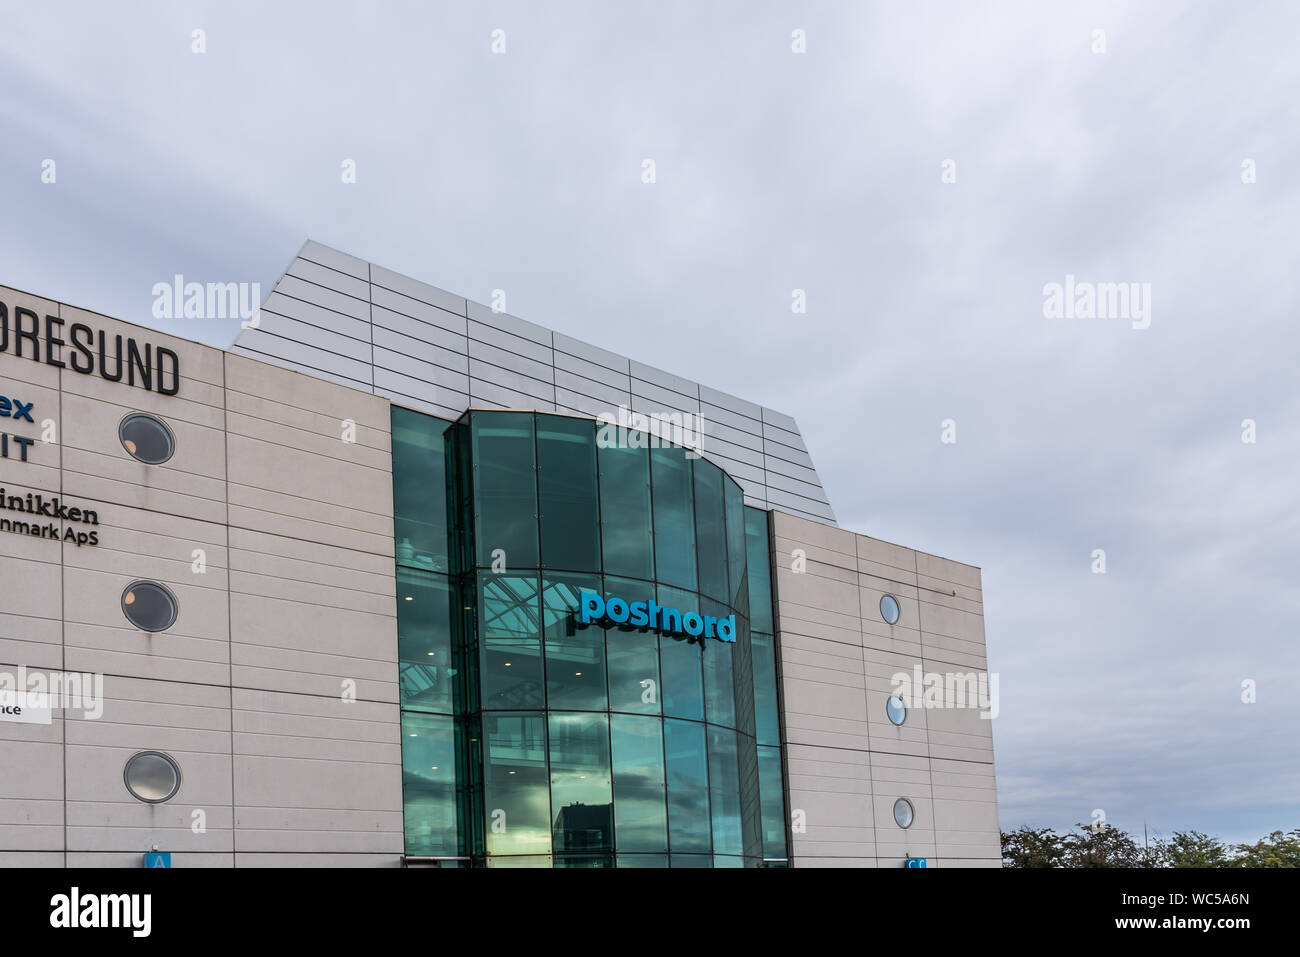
152	777
903	813
146	438
149	606
896	709
889	609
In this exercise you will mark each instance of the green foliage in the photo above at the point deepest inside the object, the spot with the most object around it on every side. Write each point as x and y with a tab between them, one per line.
1108	846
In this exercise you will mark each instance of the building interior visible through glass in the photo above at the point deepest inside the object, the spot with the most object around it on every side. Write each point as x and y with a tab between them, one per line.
532	741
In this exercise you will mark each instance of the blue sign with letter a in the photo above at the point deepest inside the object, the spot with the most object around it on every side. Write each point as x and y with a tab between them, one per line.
158	859
914	862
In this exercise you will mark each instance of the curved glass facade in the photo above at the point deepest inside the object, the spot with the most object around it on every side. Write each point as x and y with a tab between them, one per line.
531	738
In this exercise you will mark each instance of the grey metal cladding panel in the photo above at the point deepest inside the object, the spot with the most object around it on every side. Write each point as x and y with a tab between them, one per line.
790	470
598	391
732	420
726	433
419	369
307	358
330	278
584	350
778	451
324	296
242	348
508	341
796	486
513	361
751	410
591	370
318	316
487	393
429	408
419	389
735	468
737	453
577	402
414	289
414	329
663	398
434	355
782	499
480	371
417	309
665	380
780	420
328	256
511	324
784	437
300	332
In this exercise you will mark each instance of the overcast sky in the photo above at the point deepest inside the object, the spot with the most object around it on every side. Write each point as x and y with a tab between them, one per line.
820	171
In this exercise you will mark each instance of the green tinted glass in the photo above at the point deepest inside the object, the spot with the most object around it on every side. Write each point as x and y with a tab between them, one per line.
710	531
505	489
724	791
426	669
681	661
686	764
516	795
640	813
430	804
510	642
569	515
674	518
759	570
625	511
575	657
420	489
582	807
633	655
773	800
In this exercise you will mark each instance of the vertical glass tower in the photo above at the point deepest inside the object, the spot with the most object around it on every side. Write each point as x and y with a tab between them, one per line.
533	740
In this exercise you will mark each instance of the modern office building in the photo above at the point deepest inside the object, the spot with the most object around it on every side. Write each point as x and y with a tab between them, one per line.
400	580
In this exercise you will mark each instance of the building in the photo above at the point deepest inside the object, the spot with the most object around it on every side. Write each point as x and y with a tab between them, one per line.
400	580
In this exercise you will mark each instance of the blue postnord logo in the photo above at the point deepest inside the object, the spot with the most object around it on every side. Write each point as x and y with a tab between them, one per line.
647	614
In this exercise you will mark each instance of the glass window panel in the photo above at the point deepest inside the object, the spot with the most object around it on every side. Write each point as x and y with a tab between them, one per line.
581	803
772	797
724	791
566	480
719	689
520	860
516	786
766	713
674	517
692	860
510	645
686	764
759	569
728	860
505	488
424	628
680	661
584	860
710	531
626	535
632	654
737	557
640	815
575	657
430	806
643	860
420	489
